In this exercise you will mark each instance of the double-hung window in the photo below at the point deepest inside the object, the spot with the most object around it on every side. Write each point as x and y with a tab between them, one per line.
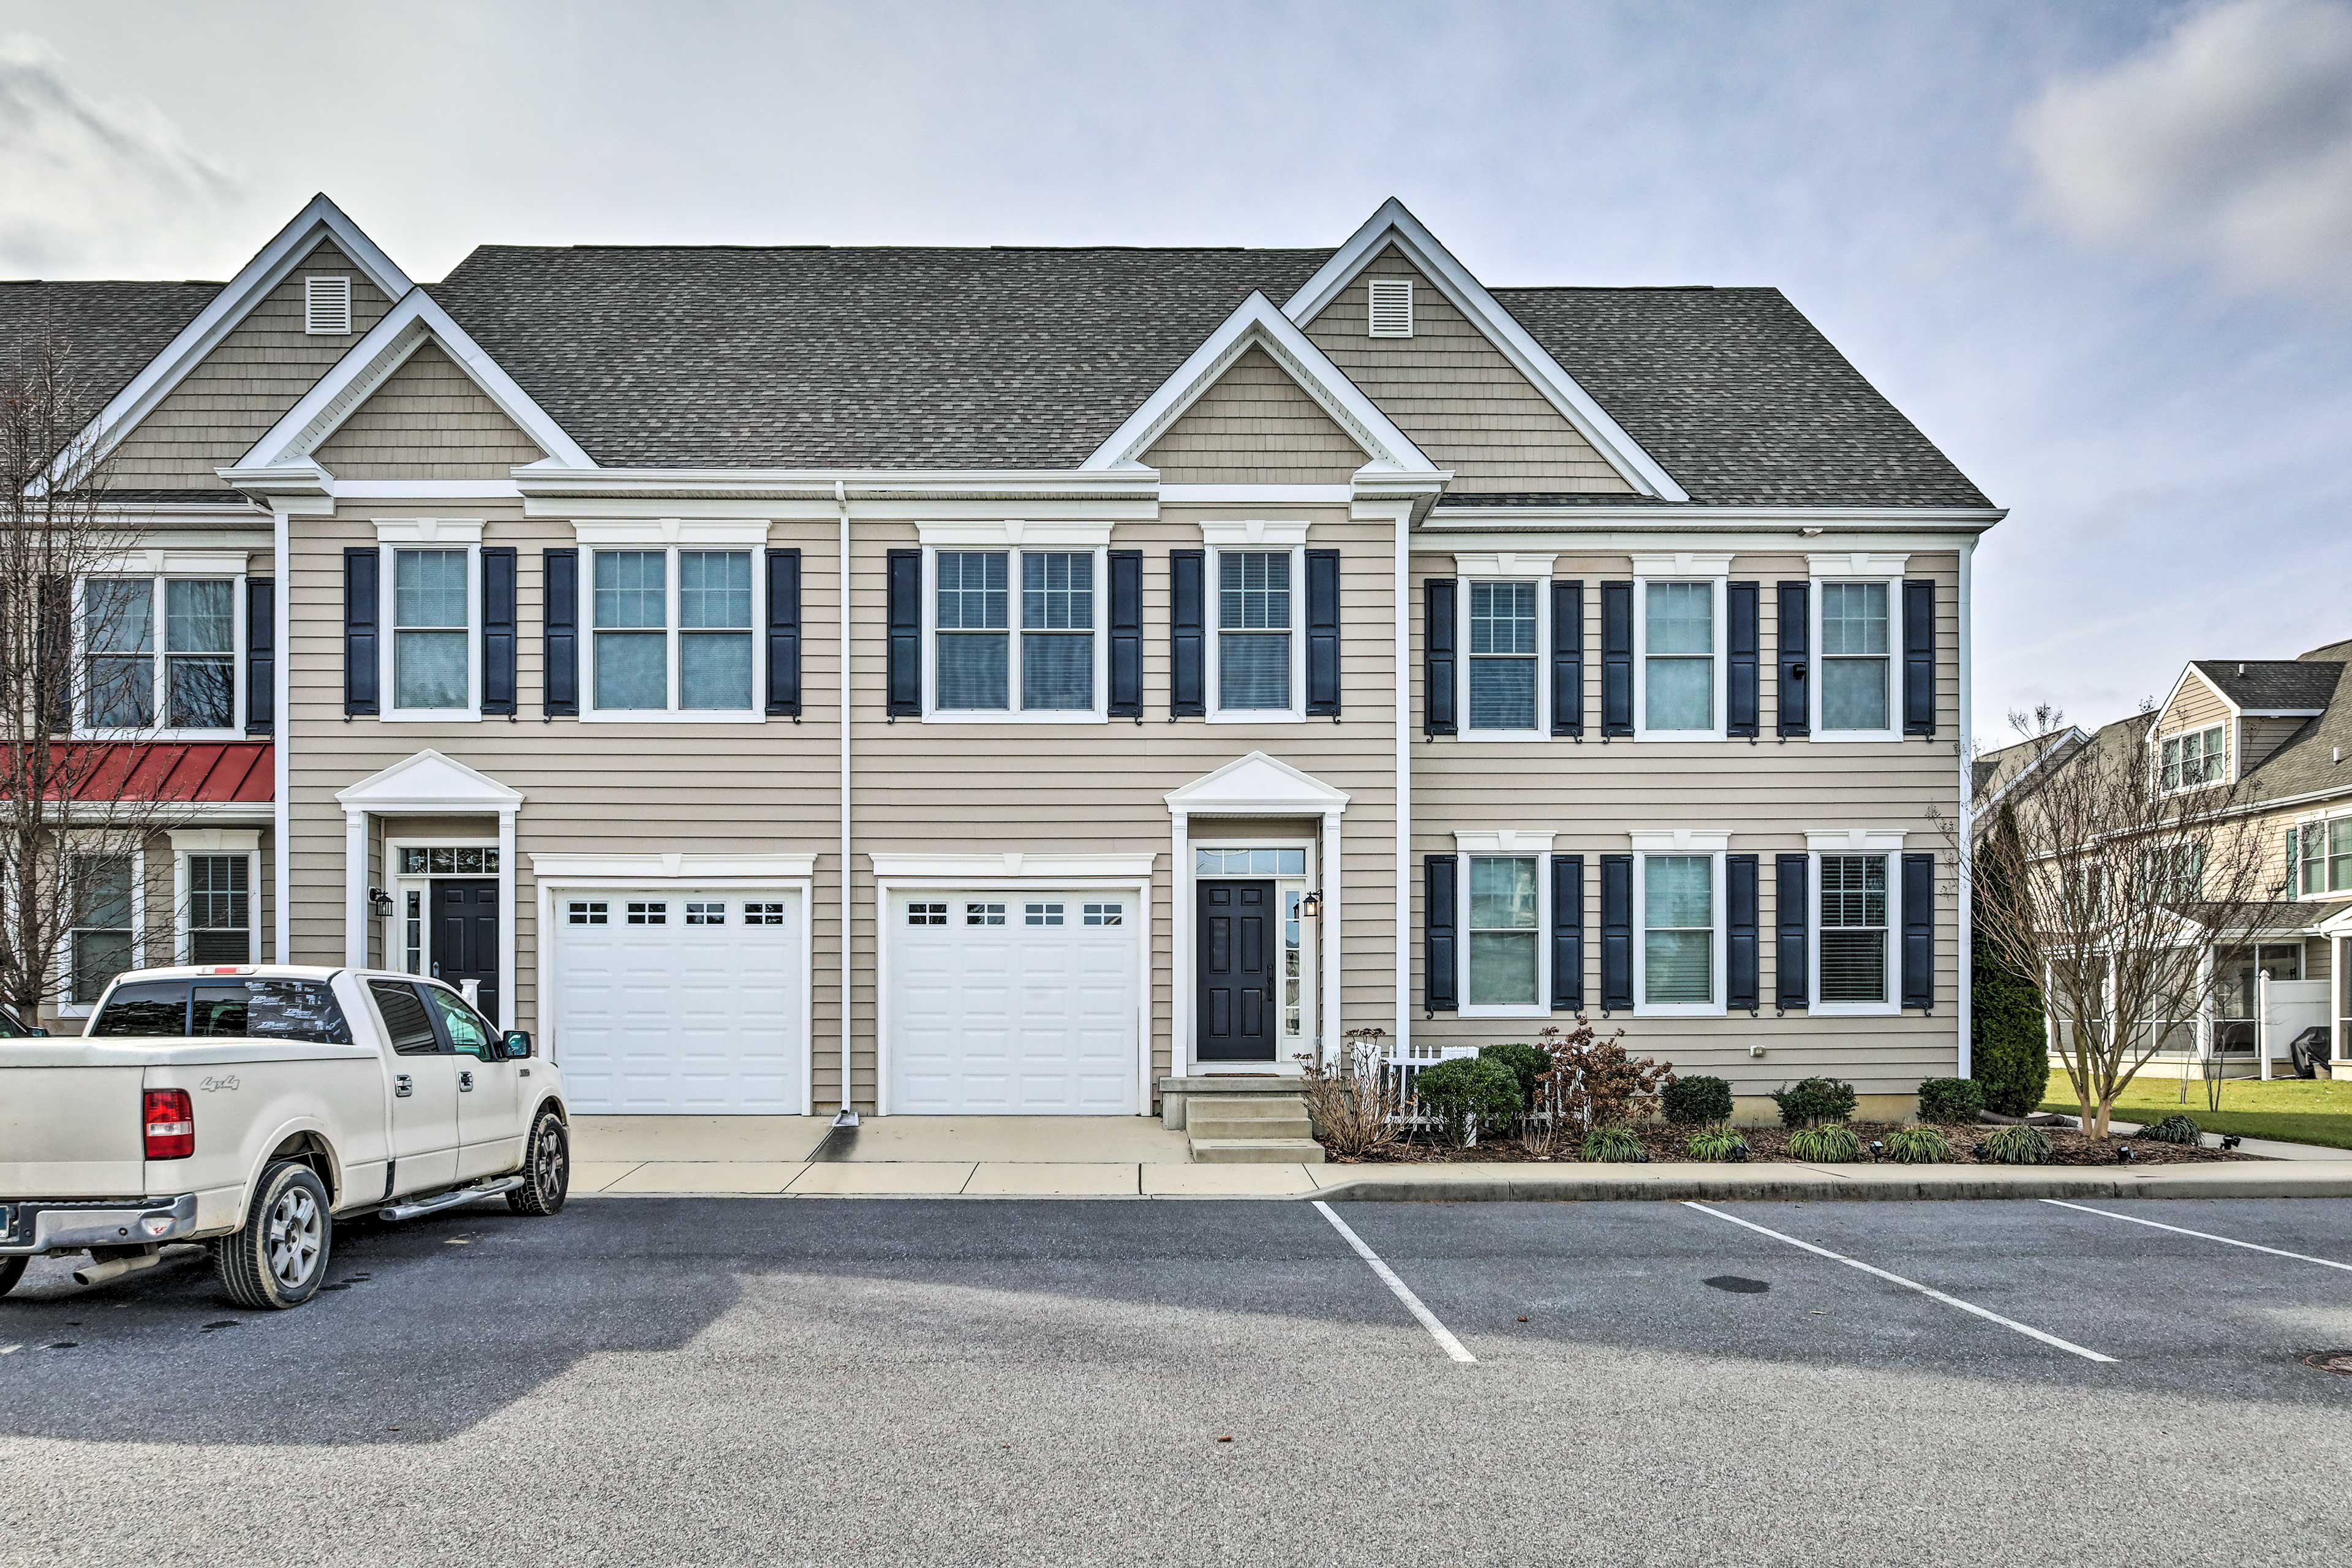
219	908
1680	630
182	681
432	639
1680	921
102	942
2324	852
1255	631
630	603
1016	633
714	638
975	631
672	632
1503	674
2200	757
1505	933
1857	662
1853	947
1057	627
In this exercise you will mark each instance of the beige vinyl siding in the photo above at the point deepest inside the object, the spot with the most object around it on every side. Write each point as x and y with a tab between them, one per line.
2258	738
1452	391
427	421
1767	794
1098	789
596	787
1255	425
2196	706
256	372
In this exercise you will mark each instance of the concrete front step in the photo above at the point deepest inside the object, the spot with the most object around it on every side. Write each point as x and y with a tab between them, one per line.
1207	1124
1256	1152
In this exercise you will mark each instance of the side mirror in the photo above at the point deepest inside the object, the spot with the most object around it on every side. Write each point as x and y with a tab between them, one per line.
518	1045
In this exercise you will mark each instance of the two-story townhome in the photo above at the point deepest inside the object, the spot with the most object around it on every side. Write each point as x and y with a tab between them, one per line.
2274	733
1007	680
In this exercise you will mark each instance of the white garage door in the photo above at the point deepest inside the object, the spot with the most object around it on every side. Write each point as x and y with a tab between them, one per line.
1016	1004
680	1002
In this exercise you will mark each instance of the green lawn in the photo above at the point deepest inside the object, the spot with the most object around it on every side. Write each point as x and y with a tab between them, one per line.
2292	1110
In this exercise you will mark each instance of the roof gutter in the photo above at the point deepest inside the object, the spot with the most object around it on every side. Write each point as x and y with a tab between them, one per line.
837	484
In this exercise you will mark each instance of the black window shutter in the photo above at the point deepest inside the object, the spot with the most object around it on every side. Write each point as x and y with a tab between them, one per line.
53	641
1568	934
906	610
1323	633
1188	632
1616	932
498	630
1617	661
1439	935
1568	658
1919	932
559	632
1744	643
1918	656
1438	598
785	633
1793	978
260	656
1796	616
362	566
1127	634
1742	956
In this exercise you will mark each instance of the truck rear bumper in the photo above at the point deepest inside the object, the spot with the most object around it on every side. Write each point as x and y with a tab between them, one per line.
53	1225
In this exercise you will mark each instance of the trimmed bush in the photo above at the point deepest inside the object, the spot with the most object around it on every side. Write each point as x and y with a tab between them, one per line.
1528	1063
1614	1146
1833	1144
1918	1146
1951	1102
1697	1102
1716	1144
2175	1129
1471	1094
2019	1145
1810	1101
2009	1054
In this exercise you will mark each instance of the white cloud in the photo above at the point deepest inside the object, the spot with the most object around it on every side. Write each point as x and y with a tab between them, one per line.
2227	142
97	186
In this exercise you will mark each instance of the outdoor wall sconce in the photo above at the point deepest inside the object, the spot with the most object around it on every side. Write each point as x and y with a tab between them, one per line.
379	903
1310	908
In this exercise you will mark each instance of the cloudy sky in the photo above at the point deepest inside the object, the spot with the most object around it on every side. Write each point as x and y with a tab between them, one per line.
2101	252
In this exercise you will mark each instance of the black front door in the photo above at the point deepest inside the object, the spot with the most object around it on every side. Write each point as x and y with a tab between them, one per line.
466	938
1240	1000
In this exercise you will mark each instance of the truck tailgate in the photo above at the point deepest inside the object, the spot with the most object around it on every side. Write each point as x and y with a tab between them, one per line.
71	1131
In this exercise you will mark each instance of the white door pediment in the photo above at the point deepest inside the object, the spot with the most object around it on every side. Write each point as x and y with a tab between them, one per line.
1257	785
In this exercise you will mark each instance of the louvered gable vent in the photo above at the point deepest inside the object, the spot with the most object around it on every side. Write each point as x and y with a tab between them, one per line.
1392	307
327	306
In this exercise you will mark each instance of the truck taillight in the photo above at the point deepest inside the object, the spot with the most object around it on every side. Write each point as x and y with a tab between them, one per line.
171	1124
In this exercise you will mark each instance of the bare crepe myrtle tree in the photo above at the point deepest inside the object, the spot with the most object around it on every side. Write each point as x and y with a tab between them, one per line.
2111	879
77	651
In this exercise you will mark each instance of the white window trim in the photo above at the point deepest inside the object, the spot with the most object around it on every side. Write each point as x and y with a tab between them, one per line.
1273	539
1507	843
66	1007
1012	545
1890	957
2229	757
1686	567
158	571
631	540
187	841
1715	847
458	537
1857	566
1504	567
2302	826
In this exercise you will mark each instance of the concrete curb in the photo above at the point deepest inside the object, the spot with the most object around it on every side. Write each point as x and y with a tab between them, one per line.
1812	1183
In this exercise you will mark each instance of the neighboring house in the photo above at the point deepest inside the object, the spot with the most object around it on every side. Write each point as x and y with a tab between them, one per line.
1241	647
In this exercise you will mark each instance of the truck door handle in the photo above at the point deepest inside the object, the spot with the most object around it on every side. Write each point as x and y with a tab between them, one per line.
465	1083
403	1086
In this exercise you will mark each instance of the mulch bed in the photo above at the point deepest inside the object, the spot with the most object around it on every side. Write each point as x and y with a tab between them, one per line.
1766	1144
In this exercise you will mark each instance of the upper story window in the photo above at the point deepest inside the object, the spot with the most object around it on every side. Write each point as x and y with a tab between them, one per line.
1016	632
183	681
2200	757
432	618
1503	671
671	633
1856	662
2323	854
1257	631
1680	625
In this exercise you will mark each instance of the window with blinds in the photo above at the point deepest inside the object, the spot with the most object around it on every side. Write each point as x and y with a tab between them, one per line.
1505	959
1502	655
1678	662
1678	929
1253	629
1853	928
1057	625
220	925
1855	659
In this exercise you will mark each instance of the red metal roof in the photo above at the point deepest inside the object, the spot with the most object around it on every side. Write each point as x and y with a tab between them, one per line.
210	773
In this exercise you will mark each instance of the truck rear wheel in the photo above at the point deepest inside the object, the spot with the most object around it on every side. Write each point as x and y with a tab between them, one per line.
11	1270
546	1168
279	1259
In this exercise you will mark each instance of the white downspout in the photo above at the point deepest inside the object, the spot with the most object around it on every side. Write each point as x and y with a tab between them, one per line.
848	1114
282	734
1968	828
1404	1033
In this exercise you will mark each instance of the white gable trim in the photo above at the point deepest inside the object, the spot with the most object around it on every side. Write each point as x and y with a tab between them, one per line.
407	327
1256	323
1257	785
426	783
269	268
2188	672
1392	224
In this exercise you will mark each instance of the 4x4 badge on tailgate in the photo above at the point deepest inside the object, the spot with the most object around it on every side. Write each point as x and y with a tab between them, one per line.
211	1084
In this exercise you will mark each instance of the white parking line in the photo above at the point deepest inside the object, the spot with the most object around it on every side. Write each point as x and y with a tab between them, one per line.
2027	1329
1437	1330
2204	1236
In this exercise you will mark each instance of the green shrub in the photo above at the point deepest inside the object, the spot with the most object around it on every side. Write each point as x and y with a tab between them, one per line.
1833	1144
1614	1146
1809	1101
2174	1129
1697	1102
1716	1144
2010	1051
1950	1101
1918	1146
2019	1145
1470	1093
1528	1063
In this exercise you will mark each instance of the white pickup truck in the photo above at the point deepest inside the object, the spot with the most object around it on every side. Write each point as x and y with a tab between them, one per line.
247	1107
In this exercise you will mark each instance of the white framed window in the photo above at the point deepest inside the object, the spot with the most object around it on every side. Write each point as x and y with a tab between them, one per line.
1856	896
1505	679
2175	873
1106	914
412	931
1678	647
1257	641
990	913
763	912
672	632
926	913
217	907
2198	757
160	655
1857	635
1042	914
1503	968
1018	631
701	913
107	892
1678	924
327	304
448	859
648	913
2323	855
583	912
432	607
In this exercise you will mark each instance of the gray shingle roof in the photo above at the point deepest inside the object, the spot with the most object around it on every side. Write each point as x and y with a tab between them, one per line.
2272	683
110	330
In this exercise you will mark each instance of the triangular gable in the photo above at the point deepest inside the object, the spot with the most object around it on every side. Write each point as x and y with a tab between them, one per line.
318	224
1256	326
289	451
2200	694
429	420
426	783
1394	229
1256	424
1260	785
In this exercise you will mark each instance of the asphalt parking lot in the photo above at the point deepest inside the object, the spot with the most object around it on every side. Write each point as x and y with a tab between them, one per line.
724	1380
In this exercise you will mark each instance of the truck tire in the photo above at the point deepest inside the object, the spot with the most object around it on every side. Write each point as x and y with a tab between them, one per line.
11	1270
546	1168
278	1259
